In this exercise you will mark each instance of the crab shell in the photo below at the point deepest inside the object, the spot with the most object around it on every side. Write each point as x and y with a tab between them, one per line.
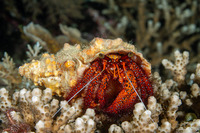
62	71
106	46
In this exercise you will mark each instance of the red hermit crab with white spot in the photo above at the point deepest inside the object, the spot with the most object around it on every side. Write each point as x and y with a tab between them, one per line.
110	75
114	78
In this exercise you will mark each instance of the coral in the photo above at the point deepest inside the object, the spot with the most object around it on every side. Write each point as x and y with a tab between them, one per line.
41	35
9	73
179	72
10	78
146	120
164	109
161	108
55	72
195	90
196	76
52	44
15	122
73	34
163	112
33	53
143	120
83	124
179	68
189	127
38	107
158	27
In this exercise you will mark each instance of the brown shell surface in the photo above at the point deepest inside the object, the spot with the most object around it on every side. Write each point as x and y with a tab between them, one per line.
60	72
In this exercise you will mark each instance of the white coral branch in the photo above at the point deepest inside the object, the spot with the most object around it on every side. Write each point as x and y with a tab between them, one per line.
179	67
33	52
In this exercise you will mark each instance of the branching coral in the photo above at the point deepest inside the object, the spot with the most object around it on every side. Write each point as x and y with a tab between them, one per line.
55	72
179	71
179	68
143	121
165	108
15	122
38	107
33	53
53	44
41	35
159	26
196	76
10	77
146	121
189	127
9	73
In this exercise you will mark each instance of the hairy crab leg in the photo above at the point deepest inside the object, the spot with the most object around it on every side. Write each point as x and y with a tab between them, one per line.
91	73
89	99
78	92
137	93
88	79
101	90
126	98
143	81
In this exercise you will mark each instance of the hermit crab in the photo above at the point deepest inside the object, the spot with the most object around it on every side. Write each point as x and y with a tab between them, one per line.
110	75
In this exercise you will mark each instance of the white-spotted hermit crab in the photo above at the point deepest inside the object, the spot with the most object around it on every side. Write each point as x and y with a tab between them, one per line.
108	74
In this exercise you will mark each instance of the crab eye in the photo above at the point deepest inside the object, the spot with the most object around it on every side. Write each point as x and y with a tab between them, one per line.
130	54
101	55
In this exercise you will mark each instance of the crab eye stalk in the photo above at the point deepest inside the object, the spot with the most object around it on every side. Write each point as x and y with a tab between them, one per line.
130	54
101	55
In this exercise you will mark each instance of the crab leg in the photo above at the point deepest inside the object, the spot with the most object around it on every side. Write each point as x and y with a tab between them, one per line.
126	98
93	71
101	90
93	90
89	99
143	81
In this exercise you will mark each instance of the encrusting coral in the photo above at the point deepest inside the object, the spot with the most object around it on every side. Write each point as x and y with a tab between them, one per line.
52	71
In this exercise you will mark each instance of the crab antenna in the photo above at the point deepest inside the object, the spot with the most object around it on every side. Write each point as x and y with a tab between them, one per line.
78	92
138	95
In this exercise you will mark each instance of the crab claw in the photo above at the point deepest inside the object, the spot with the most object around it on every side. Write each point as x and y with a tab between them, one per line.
126	98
